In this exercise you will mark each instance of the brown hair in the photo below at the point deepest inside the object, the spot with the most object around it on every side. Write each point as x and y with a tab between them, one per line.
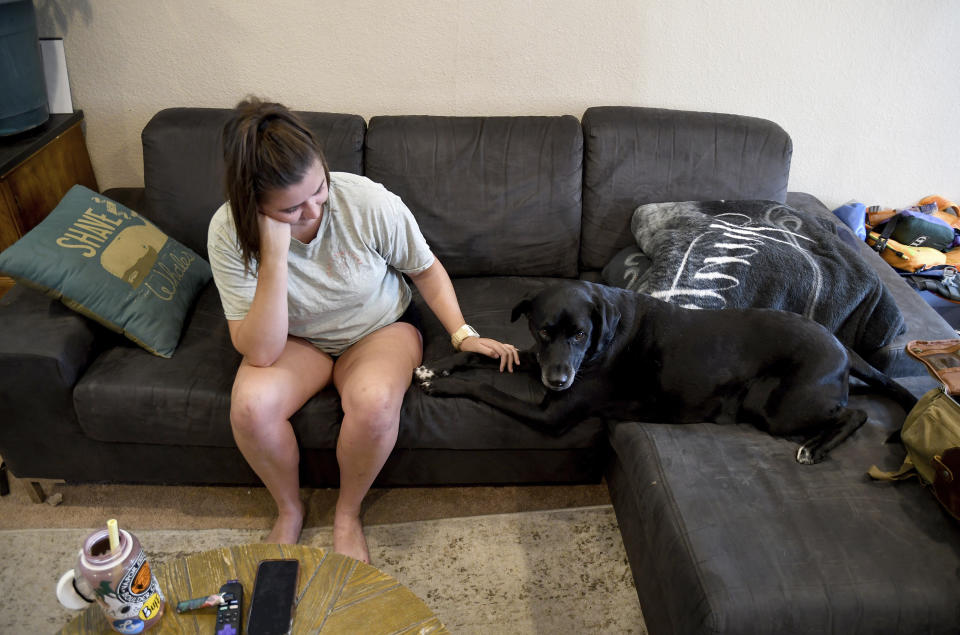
266	147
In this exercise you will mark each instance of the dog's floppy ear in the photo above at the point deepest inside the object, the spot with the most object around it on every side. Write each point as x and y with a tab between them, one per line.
523	308
605	317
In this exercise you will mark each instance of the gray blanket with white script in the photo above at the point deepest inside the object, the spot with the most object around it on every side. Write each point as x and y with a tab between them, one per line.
726	254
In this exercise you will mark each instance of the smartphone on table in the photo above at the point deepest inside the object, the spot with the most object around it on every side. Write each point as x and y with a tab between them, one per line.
274	593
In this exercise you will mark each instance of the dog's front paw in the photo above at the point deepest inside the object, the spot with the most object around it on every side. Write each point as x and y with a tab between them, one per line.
441	386
424	377
425	374
422	374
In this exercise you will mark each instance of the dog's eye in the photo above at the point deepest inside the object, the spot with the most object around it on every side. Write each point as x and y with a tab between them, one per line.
580	336
543	333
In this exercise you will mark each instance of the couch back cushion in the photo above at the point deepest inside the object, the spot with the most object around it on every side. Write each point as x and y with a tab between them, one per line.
183	164
492	195
638	155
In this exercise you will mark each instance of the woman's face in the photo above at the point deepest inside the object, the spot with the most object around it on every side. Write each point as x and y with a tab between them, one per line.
301	203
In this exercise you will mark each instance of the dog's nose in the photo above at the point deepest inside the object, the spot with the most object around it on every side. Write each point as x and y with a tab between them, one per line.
557	378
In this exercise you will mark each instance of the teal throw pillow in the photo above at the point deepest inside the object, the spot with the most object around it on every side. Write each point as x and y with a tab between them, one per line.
109	263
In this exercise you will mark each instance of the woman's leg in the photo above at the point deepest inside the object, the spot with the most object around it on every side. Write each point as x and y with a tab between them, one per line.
372	377
261	404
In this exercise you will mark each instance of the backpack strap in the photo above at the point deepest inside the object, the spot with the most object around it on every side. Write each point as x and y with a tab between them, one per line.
905	471
947	286
881	242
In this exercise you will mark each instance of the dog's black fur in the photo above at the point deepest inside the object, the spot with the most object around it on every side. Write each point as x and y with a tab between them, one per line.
611	352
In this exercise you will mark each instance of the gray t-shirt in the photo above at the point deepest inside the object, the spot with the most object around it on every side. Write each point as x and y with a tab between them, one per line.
346	282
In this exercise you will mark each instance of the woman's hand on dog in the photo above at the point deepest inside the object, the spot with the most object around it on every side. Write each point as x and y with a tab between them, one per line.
506	353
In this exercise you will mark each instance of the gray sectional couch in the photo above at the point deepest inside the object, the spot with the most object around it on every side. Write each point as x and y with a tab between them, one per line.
725	532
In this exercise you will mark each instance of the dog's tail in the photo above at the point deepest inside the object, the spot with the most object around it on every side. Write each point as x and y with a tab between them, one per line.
864	371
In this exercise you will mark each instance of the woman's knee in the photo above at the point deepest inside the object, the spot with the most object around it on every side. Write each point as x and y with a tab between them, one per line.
253	406
376	407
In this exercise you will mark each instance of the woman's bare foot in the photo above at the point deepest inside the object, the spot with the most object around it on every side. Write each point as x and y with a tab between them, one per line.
348	537
286	529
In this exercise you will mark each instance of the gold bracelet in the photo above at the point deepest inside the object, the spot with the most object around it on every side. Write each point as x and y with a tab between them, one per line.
461	334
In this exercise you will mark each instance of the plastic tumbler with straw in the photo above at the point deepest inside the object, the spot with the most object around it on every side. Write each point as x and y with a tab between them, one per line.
113	568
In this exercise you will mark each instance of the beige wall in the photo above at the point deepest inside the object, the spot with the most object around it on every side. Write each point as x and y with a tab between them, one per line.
869	90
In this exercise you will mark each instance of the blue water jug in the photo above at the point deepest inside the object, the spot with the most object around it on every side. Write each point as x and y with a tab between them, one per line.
23	93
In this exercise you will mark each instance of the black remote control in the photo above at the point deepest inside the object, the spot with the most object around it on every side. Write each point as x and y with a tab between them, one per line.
228	615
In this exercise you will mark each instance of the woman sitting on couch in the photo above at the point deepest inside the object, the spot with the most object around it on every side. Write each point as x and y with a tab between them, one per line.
308	265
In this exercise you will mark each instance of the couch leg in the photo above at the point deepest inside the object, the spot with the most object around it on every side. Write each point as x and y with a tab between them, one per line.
35	491
4	480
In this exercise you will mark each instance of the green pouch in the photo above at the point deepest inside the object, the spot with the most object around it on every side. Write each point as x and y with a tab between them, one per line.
931	431
918	229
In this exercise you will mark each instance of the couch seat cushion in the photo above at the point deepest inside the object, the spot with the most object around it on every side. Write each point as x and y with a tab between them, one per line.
126	396
726	533
130	396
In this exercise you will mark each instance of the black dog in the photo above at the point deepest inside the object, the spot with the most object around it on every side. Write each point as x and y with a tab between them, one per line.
615	353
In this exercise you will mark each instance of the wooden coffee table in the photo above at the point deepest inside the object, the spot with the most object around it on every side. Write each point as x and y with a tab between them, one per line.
335	594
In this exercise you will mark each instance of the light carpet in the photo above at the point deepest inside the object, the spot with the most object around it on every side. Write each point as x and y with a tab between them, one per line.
550	571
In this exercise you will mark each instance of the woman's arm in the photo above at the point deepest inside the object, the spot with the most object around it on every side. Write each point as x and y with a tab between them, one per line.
437	290
262	334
